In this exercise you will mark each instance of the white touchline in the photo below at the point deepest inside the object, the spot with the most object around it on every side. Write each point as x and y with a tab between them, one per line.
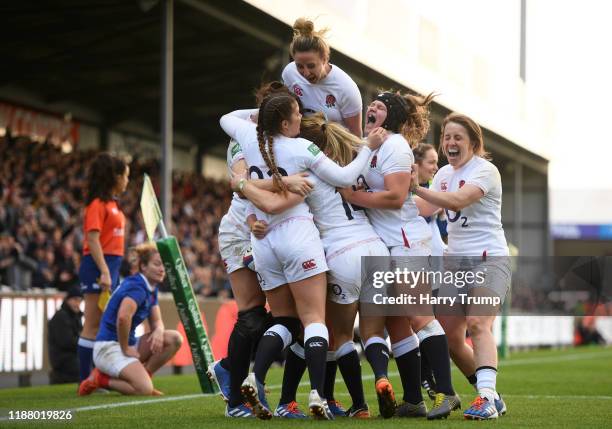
570	357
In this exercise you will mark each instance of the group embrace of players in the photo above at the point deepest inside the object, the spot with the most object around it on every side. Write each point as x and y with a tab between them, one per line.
311	198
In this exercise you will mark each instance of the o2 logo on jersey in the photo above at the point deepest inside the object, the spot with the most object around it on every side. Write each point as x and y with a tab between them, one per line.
456	217
297	90
309	265
337	290
330	101
253	169
373	162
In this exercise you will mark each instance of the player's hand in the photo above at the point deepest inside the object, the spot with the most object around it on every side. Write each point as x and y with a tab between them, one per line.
377	137
132	352
298	184
156	341
236	178
105	280
414	178
346	193
259	228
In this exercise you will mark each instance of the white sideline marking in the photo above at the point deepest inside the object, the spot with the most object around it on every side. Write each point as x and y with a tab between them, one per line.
517	362
143	401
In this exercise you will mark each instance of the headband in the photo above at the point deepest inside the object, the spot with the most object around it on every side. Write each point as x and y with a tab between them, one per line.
396	111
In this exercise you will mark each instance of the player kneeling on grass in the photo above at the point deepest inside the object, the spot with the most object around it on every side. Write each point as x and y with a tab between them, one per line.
123	363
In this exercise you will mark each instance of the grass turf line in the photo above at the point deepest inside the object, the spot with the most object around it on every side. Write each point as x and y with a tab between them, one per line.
571	388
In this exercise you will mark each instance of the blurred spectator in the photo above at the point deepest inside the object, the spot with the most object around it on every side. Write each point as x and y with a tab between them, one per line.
63	334
67	262
16	267
42	193
45	273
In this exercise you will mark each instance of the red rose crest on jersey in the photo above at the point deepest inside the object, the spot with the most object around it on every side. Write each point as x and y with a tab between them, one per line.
373	162
309	265
330	101
461	183
443	186
297	90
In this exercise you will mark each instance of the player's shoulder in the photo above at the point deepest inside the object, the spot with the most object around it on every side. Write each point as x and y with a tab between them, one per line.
443	173
395	143
340	75
96	203
445	170
134	282
305	144
482	164
289	73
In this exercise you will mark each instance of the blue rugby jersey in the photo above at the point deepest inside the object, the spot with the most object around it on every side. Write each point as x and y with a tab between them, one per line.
137	288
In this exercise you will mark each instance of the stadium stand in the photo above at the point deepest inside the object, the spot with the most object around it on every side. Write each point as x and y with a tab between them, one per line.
41	203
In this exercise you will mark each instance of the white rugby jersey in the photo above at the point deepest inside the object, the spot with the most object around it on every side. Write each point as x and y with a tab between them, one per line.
336	95
475	229
438	246
396	227
236	214
292	156
339	222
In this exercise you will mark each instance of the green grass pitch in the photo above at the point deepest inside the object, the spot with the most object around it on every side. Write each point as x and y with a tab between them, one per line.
558	388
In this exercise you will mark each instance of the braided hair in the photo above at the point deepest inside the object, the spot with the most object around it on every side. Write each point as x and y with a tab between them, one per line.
274	109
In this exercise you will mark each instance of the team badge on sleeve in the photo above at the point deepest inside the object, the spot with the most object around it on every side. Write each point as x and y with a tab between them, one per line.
314	149
236	149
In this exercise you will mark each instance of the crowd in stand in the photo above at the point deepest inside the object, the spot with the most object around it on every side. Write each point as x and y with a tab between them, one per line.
42	195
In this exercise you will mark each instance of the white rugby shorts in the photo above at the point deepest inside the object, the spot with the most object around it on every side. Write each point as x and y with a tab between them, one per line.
344	282
109	358
291	251
233	246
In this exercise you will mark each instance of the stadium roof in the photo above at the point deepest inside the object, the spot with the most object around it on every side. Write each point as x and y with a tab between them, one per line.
105	55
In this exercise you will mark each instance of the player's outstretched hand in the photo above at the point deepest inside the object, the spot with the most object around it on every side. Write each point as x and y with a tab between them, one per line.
298	184
377	137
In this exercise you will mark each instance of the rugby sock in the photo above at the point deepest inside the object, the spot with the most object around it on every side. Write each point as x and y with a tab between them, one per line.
225	362
316	340
350	368
271	345
295	365
434	346
85	352
427	379
377	354
408	360
471	379
239	351
103	380
486	378
330	375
